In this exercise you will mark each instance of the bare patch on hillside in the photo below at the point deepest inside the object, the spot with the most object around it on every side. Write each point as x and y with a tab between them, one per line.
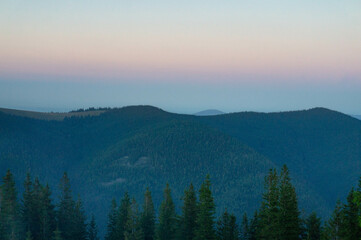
116	181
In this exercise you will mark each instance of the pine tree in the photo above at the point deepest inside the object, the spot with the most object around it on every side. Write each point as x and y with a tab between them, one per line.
133	228
47	214
92	229
122	217
253	227
234	231
79	221
112	222
357	201
226	227
351	228
269	212
333	227
27	209
313	227
206	212
187	220
167	217
148	217
66	209
245	230
38	216
36	210
289	215
10	219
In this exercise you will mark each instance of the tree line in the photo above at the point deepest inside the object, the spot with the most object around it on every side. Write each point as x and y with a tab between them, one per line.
36	217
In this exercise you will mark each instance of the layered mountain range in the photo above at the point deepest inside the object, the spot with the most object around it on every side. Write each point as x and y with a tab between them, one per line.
107	152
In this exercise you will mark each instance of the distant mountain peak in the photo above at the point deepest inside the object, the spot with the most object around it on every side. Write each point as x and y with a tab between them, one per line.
209	112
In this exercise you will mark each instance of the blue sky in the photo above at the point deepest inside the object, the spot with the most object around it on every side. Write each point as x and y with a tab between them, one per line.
179	97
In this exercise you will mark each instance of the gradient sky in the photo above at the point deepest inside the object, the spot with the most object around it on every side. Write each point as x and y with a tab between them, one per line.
183	56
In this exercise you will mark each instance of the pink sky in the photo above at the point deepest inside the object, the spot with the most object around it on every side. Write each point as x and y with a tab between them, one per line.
304	41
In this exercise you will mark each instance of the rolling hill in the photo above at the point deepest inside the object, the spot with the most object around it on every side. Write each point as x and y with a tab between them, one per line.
130	148
209	112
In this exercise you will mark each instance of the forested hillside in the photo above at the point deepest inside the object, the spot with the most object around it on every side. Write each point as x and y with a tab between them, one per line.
38	217
321	146
132	148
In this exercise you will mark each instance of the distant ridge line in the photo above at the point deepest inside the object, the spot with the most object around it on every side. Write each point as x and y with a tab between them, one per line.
59	116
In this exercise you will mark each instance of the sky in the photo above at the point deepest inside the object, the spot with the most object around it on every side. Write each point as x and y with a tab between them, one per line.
183	56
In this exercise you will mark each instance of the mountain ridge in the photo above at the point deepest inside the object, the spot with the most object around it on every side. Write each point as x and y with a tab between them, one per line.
130	108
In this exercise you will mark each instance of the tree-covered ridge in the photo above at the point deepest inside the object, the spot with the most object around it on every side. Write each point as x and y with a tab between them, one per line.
36	217
130	148
321	144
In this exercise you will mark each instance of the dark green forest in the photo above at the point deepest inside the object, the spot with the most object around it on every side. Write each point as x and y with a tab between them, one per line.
36	216
108	152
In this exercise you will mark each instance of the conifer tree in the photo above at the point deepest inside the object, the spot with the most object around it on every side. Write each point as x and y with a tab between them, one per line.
187	220
333	227
245	230
313	227
234	231
351	228
92	229
38	216
289	220
79	220
66	209
206	212
112	222
269	212
10	219
357	200
133	228
47	214
148	217
303	234
167	217
27	209
253	227
37	206
122	217
226	227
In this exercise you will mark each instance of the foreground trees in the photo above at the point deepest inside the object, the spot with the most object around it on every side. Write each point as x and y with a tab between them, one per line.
147	219
289	215
279	217
227	228
166	229
206	213
188	218
38	212
70	215
36	217
10	221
